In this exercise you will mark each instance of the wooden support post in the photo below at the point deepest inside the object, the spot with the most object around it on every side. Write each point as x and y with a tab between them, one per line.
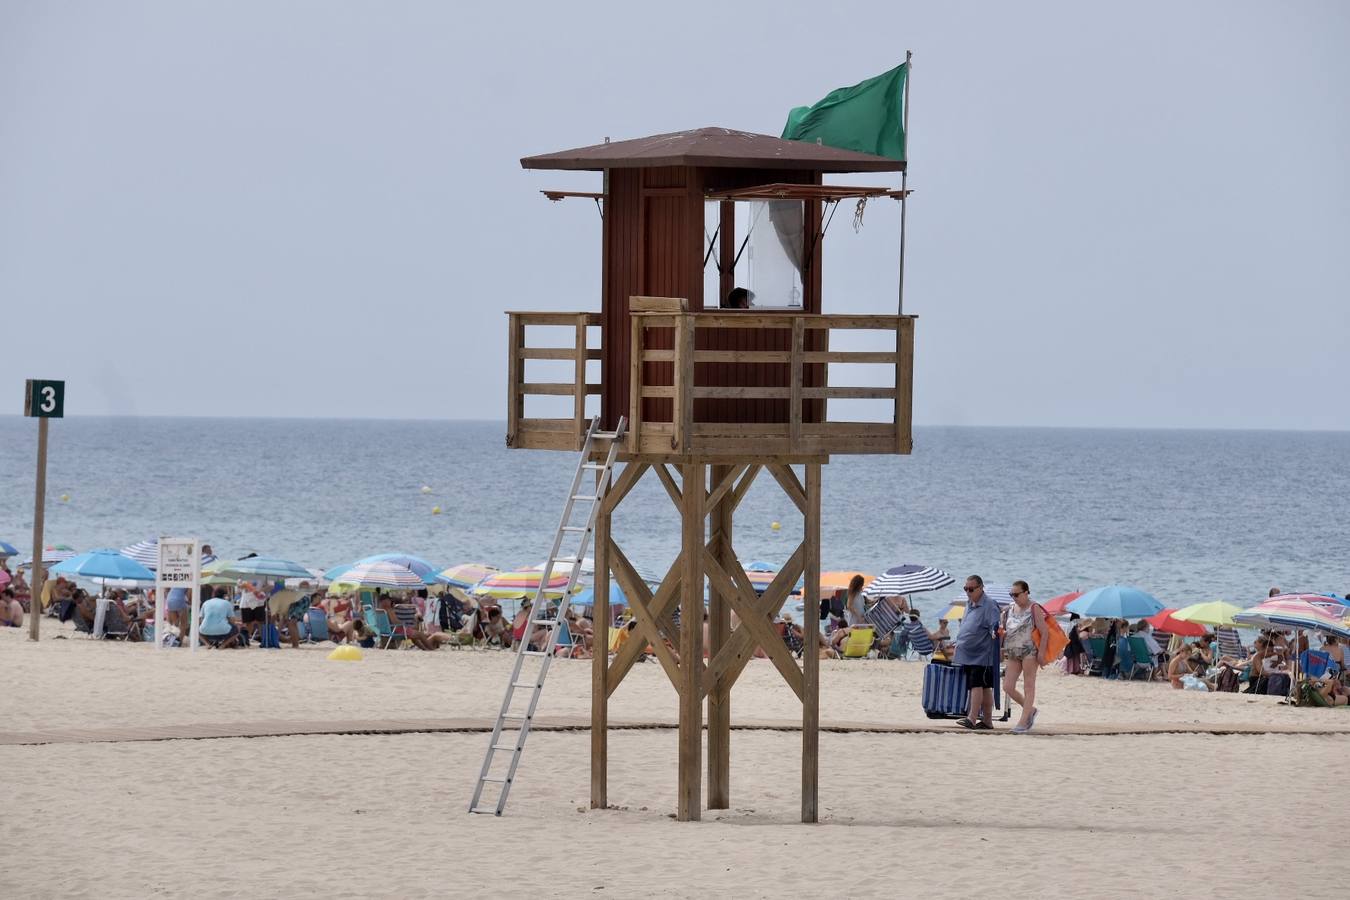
600	663
904	384
811	652
690	792
719	629
37	573
515	376
579	420
682	417
637	347
795	390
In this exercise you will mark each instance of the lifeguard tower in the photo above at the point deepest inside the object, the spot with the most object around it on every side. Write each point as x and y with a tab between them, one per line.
714	368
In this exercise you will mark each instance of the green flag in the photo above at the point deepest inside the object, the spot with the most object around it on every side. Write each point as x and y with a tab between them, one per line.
868	117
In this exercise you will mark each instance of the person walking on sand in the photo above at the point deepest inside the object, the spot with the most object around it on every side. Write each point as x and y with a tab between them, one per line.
1026	642
977	654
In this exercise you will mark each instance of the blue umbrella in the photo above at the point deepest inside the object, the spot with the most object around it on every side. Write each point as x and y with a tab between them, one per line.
104	564
420	567
587	597
1115	601
8	549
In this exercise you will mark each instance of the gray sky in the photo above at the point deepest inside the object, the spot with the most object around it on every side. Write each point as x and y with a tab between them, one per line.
1132	217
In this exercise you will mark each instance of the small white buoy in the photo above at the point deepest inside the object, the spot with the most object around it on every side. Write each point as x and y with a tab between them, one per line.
775	526
65	498
426	489
435	510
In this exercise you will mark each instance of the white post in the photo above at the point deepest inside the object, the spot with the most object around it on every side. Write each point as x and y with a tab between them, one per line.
196	595
180	566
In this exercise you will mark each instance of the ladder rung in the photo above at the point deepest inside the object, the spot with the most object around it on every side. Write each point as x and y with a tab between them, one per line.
566	559
520	716
576	528
605	435
512	747
594	467
494	779
590	497
484	812
529	684
551	623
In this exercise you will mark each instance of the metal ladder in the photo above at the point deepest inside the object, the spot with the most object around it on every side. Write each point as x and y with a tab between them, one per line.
535	685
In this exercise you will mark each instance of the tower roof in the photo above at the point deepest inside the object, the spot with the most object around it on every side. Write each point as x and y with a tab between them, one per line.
713	148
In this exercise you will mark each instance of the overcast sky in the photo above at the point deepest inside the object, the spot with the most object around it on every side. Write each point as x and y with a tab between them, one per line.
1135	214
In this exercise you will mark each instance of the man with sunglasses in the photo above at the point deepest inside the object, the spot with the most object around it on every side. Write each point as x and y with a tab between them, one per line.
977	654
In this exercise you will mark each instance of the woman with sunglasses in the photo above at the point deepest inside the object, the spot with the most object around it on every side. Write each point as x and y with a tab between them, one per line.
1025	642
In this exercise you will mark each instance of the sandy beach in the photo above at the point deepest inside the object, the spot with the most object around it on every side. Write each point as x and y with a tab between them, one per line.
352	815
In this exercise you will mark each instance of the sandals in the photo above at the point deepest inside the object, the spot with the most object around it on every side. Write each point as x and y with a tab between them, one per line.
983	726
966	723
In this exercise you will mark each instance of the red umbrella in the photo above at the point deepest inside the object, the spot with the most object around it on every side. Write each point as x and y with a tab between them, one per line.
1055	605
1164	622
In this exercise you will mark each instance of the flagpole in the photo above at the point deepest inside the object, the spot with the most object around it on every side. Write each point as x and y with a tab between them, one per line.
904	178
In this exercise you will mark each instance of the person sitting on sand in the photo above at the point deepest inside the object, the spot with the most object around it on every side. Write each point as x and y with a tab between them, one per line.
1332	691
11	613
1178	668
1332	647
219	628
1275	666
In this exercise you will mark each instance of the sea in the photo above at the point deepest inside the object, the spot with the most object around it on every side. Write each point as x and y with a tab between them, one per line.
1185	515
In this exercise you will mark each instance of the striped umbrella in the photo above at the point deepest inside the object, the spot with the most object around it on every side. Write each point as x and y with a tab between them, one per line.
52	553
8	549
760	579
519	585
145	552
1293	611
908	579
1298	602
379	575
466	575
429	573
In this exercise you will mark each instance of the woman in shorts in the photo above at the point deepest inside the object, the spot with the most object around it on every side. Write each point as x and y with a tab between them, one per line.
1025	638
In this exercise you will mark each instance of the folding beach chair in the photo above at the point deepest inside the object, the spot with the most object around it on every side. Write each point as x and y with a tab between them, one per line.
859	642
316	625
883	616
1314	663
919	641
1096	651
377	620
1143	660
406	621
1229	642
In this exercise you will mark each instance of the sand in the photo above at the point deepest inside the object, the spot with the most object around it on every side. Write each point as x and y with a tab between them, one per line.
383	815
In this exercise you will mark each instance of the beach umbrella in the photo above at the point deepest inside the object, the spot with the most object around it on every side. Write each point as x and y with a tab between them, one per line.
519	585
1291	611
102	565
1214	612
1116	601
760	579
379	575
838	580
52	553
466	575
908	579
256	567
429	573
759	565
145	552
954	613
1331	605
1056	606
8	549
1164	622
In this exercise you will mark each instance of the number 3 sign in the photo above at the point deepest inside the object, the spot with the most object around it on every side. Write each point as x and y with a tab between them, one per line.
44	399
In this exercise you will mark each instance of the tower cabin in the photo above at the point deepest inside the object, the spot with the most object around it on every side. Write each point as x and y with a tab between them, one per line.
715	350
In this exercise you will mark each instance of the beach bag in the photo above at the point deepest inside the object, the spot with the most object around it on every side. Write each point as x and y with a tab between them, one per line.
269	638
1058	640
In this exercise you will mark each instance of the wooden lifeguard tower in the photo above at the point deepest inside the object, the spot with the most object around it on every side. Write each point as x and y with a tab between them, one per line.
716	390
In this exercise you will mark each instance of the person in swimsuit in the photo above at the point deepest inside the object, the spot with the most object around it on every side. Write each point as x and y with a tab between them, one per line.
1025	639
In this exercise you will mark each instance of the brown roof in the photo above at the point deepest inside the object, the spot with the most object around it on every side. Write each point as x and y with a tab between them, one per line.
713	148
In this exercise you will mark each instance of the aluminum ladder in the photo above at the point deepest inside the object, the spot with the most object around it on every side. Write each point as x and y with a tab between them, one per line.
534	685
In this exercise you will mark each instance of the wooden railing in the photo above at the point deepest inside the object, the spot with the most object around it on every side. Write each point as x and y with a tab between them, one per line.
548	433
805	427
683	400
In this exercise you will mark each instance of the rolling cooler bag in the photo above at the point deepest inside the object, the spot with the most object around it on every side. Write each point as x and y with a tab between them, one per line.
945	695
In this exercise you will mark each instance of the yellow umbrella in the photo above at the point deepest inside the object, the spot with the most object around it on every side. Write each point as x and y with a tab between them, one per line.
955	613
1215	613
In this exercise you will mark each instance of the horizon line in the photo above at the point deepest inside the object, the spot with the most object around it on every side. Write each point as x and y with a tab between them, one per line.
502	422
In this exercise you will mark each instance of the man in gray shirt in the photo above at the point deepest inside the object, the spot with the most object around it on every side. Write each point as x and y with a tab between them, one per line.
977	654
